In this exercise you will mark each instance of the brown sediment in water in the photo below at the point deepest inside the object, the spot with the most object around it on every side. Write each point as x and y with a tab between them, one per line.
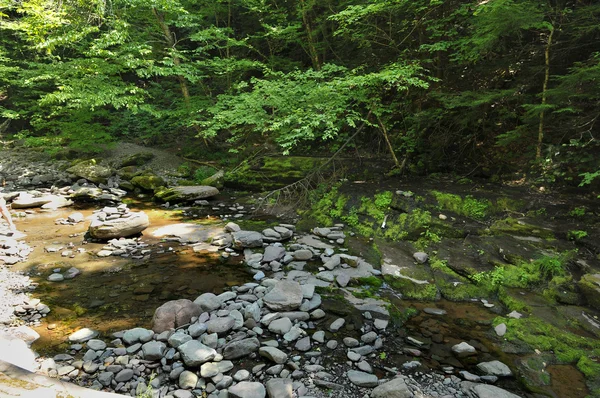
567	381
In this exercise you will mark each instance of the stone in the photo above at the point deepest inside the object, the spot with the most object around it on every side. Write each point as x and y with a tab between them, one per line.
209	369
342	280
302	255
420	257
208	302
464	350
247	239
434	311
91	171
194	353
303	344
241	375
337	325
154	350
124	375
96	345
240	348
56	277
83	335
189	193
280	326
279	388
284	296
274	354
273	253
494	368
173	314
135	335
119	227
485	391
395	388
500	329
220	326
178	338
362	379
247	389
368	338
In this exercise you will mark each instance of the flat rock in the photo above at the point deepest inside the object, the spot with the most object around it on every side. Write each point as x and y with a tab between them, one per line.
274	354
285	296
247	389
362	379
83	335
194	353
190	193
395	388
494	368
279	388
173	314
120	227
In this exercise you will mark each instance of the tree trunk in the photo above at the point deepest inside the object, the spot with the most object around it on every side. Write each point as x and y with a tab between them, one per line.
538	150
310	36
171	43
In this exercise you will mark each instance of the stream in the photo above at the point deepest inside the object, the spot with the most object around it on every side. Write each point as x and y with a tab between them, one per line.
116	293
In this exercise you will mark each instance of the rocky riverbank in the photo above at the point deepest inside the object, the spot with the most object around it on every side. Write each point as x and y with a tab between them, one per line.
315	312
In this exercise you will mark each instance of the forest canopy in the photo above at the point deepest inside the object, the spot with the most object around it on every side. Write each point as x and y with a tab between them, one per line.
439	85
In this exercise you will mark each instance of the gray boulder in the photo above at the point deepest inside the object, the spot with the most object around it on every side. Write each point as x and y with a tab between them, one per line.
240	348
91	171
279	388
186	193
494	368
362	379
194	353
285	296
244	239
173	314
395	388
120	227
475	390
247	389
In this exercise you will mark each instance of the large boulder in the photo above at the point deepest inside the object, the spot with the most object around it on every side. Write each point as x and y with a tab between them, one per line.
244	239
186	193
173	314
26	201
216	180
285	296
120	227
137	159
148	182
91	171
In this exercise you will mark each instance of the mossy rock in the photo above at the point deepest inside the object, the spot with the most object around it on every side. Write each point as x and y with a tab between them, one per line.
137	159
512	226
216	180
149	182
127	173
409	283
91	171
590	288
186	193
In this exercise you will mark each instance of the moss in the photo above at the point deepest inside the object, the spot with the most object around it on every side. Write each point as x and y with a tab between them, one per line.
468	206
567	347
371	281
148	182
399	317
511	302
413	291
512	226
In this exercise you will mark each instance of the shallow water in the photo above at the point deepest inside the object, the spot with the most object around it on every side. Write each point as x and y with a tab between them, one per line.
115	293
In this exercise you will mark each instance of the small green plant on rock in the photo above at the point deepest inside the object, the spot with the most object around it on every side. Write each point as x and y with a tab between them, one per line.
576	235
577	212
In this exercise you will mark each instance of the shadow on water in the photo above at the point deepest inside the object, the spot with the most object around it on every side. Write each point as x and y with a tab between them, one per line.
115	293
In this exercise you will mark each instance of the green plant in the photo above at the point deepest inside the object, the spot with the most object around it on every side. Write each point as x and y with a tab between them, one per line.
149	391
203	172
577	212
382	355
576	234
